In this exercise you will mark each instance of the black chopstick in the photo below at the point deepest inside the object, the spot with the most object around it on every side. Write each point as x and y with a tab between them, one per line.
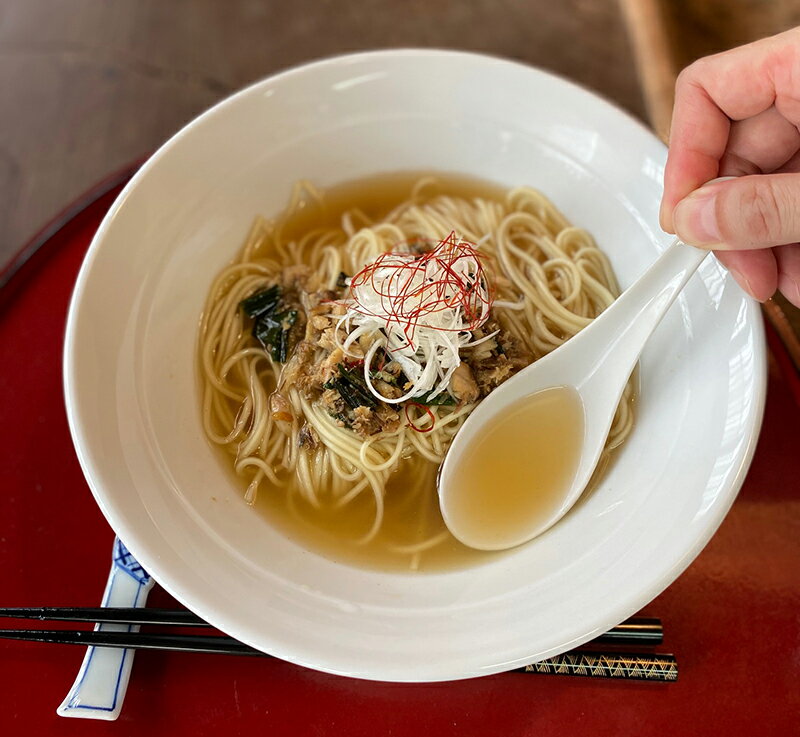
221	645
107	615
635	631
630	666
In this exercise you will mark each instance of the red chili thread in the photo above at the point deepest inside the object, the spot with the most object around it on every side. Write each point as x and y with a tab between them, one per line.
407	306
428	411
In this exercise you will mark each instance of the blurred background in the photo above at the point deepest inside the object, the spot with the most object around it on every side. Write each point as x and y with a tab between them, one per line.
87	86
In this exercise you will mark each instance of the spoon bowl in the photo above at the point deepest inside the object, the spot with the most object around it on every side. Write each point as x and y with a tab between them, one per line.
596	364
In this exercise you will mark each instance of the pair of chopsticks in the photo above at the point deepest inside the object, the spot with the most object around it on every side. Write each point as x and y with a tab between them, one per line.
591	663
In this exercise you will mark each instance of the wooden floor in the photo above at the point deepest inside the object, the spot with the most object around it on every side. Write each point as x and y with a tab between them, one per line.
88	85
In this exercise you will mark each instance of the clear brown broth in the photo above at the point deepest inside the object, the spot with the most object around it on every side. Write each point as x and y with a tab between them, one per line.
500	499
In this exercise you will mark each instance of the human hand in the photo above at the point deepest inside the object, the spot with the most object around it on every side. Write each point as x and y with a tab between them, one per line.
737	114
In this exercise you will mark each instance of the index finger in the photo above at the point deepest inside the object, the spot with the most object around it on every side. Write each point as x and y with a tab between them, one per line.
709	94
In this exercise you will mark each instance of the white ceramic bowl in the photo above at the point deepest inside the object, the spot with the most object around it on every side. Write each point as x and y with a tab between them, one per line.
132	397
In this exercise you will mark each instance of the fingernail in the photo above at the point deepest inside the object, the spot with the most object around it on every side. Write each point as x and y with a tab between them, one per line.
695	218
662	217
744	283
790	289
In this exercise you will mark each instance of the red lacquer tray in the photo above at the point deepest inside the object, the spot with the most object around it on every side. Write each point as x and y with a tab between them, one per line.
732	619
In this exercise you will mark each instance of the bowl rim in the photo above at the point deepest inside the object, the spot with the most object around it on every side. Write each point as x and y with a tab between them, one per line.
117	519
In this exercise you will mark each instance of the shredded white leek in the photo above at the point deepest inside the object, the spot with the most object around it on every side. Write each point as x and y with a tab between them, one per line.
422	310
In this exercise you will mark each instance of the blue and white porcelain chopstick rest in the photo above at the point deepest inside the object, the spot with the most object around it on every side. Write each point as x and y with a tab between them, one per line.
99	689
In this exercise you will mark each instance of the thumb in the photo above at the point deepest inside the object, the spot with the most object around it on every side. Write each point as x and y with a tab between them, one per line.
744	213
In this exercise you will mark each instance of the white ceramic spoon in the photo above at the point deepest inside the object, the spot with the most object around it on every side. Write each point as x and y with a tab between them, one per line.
597	363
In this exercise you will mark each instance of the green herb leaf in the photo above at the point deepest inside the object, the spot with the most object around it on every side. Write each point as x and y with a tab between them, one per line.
357	385
286	319
345	391
267	332
443	399
261	303
273	331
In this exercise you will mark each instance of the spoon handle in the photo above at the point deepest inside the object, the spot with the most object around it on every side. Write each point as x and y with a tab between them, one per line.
615	340
99	689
